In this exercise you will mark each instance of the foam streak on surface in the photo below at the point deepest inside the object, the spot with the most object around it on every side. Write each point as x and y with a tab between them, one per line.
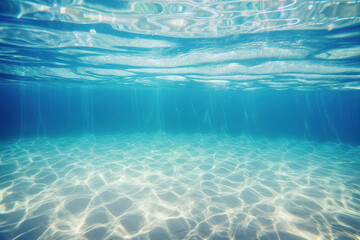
143	186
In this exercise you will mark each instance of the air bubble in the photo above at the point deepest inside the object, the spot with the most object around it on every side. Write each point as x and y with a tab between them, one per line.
92	31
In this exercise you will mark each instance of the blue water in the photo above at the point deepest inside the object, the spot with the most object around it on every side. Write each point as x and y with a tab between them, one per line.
179	120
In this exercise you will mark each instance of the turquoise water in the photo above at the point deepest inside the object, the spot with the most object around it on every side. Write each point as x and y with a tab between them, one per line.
156	186
179	120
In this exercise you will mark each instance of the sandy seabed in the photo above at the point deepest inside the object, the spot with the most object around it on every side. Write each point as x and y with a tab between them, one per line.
158	187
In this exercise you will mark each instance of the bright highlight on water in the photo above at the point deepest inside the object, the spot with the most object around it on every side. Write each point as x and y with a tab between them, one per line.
164	120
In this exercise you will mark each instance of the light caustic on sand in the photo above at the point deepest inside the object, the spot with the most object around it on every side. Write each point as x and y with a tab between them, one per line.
178	187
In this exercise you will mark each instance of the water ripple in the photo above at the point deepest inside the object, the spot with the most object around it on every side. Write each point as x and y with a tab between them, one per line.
233	44
193	18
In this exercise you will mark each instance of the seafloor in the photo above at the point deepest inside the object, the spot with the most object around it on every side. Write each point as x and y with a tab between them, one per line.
141	186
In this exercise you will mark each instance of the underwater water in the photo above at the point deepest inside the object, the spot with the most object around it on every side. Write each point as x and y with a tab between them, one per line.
200	119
